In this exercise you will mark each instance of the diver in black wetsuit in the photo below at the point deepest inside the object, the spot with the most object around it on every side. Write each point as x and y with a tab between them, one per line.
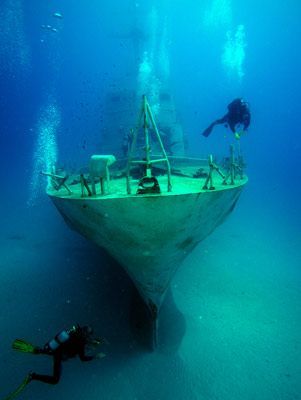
238	113
66	344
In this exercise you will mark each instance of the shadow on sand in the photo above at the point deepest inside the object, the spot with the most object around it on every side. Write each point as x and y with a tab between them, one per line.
120	313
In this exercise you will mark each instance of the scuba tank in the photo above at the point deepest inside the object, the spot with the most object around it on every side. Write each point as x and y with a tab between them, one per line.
60	338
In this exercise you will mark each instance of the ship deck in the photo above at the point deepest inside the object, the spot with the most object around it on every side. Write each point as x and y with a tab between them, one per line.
181	184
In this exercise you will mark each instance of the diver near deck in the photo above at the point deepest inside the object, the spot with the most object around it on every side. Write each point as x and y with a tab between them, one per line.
238	114
66	344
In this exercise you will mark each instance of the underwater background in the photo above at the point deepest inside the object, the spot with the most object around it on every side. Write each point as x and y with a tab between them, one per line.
230	327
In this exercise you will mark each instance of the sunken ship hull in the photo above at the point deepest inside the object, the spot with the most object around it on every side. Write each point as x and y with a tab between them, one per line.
149	235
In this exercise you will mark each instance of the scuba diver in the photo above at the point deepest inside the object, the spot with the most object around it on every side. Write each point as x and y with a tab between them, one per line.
66	344
238	114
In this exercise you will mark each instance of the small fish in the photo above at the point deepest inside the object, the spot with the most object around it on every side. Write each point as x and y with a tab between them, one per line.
54	30
58	15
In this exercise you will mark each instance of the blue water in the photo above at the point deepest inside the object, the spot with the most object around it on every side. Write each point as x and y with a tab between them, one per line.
230	327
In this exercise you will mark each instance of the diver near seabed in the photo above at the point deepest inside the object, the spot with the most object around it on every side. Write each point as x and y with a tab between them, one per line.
238	114
66	344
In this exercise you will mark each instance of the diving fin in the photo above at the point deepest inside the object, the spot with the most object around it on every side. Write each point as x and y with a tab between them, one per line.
23	346
19	389
207	131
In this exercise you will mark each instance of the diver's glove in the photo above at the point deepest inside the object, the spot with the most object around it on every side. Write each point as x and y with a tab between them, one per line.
239	134
99	356
97	341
